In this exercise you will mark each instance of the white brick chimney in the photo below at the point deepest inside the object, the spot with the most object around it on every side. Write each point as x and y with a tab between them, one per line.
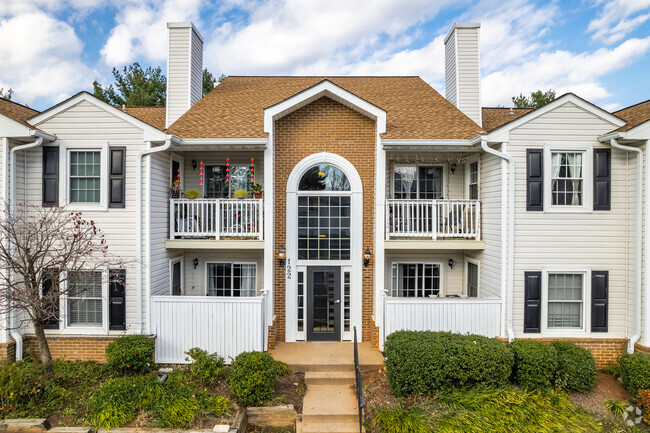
462	69
184	69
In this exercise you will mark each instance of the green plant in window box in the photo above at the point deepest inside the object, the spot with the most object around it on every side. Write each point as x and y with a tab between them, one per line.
257	190
192	194
241	193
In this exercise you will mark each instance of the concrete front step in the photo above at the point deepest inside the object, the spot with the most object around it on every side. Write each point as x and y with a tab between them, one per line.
329	404
295	367
327	356
329	377
341	427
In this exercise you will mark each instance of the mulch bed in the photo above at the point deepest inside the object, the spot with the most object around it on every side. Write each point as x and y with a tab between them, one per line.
607	388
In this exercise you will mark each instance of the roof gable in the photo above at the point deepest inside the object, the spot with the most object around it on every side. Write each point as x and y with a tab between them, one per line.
634	115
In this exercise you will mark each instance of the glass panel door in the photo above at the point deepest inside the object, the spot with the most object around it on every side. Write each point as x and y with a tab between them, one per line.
324	303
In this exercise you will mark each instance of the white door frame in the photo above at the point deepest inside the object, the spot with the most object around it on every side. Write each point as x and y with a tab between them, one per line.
356	243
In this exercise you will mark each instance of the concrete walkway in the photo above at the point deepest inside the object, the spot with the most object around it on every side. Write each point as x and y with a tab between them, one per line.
330	403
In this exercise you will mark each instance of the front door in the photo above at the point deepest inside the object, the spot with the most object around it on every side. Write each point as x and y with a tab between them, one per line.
324	303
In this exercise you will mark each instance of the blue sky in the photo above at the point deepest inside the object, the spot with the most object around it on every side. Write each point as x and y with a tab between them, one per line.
598	49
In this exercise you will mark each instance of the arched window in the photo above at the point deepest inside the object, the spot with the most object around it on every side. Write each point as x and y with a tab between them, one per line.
324	177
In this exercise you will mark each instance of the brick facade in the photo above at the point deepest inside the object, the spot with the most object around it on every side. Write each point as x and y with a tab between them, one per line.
324	126
641	349
71	347
605	350
8	351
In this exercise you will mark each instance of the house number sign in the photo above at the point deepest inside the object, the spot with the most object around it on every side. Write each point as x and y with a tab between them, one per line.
288	268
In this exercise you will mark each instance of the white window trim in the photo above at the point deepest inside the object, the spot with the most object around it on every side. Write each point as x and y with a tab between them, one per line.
584	330
587	175
64	168
65	328
441	292
467	177
172	262
214	262
445	176
478	277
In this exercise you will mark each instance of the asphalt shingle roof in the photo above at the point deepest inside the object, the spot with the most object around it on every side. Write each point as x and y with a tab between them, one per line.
16	112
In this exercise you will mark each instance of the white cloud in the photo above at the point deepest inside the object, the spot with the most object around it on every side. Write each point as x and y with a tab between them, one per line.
41	58
141	30
616	20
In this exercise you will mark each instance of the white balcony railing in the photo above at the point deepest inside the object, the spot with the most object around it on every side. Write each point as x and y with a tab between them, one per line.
433	219
216	217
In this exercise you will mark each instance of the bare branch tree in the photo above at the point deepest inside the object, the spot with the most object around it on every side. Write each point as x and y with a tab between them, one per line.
52	249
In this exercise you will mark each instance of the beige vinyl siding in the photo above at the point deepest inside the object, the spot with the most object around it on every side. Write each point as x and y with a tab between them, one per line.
195	279
597	240
159	229
469	95
450	70
85	123
490	182
191	176
178	73
453	280
196	87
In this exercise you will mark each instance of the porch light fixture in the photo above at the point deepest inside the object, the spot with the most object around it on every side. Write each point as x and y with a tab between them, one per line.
281	255
194	164
366	257
195	262
451	263
453	168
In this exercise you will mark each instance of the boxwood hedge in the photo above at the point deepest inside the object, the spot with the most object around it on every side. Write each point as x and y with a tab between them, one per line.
535	364
576	367
418	362
634	371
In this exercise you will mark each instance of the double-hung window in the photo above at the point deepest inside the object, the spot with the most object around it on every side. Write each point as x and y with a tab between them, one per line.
85	176
416	280
472	180
565	301
567	178
85	300
231	279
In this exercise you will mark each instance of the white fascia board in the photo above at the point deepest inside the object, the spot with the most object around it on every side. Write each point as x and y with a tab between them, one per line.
569	97
10	128
390	143
226	141
639	132
150	133
332	91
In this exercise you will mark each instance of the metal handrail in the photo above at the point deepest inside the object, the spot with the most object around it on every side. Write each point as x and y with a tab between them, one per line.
357	377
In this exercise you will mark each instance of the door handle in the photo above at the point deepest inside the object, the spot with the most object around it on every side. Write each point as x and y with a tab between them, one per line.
338	301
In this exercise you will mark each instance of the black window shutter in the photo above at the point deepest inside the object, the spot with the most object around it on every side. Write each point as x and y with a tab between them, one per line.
117	177
602	179
116	302
48	284
534	179
533	302
599	302
50	176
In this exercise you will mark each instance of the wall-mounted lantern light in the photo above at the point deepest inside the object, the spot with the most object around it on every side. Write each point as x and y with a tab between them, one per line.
281	255
194	164
195	262
453	168
451	263
366	257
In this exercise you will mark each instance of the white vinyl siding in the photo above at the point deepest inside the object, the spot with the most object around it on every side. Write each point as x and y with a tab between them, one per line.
184	71
451	92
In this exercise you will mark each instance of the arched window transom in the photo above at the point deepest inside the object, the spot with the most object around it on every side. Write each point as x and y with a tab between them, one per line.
324	177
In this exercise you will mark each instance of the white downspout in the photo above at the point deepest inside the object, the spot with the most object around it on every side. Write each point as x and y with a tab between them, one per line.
12	206
646	327
138	218
638	228
511	234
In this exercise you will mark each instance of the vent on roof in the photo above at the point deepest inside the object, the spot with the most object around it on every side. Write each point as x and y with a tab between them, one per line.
462	69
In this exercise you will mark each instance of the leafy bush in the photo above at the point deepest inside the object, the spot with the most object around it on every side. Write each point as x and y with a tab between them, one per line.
252	378
635	371
20	383
400	420
418	362
576	367
130	354
535	364
208	367
644	404
282	369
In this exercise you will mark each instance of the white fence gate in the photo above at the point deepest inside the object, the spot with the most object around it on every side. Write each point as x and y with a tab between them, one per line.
463	316
227	326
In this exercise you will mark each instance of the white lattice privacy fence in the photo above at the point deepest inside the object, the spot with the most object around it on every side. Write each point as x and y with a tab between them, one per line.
227	326
463	316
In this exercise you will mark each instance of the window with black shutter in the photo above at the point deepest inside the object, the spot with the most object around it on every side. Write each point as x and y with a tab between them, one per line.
117	177
599	300
533	304
117	304
602	179
534	179
50	176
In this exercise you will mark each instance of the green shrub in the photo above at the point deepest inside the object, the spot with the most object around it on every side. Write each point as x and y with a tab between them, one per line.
252	377
400	420
178	412
418	362
209	367
635	371
576	367
535	364
21	383
282	369
214	404
115	402
130	354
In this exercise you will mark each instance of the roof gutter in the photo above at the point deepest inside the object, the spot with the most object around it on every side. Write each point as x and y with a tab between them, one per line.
509	270
171	139
638	244
40	137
